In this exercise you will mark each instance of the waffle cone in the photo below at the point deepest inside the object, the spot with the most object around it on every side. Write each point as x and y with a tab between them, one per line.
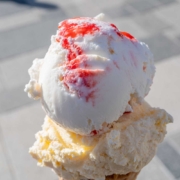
129	176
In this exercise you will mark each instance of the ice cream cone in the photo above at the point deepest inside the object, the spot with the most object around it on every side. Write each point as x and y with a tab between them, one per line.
92	83
129	176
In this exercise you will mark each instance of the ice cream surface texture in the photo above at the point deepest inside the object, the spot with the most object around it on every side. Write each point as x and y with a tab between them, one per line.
128	146
90	73
92	83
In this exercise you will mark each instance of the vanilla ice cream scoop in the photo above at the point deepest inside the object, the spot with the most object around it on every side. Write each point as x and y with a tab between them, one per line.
90	73
127	146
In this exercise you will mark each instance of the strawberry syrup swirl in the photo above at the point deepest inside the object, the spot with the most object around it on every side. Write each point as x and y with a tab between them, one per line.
127	35
69	30
94	132
117	30
122	33
79	77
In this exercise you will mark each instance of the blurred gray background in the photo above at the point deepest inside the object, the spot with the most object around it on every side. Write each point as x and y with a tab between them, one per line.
25	30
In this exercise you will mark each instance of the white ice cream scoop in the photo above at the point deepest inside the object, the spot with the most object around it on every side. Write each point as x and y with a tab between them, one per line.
89	74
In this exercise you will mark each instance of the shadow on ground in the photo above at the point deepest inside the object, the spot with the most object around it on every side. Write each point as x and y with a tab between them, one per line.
33	3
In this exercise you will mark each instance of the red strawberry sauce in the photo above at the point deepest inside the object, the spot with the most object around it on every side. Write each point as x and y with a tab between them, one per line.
79	78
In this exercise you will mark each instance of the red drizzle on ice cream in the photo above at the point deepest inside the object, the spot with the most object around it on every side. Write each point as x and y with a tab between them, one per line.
80	78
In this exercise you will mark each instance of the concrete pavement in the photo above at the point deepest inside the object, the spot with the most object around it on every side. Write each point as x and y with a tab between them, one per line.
25	31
